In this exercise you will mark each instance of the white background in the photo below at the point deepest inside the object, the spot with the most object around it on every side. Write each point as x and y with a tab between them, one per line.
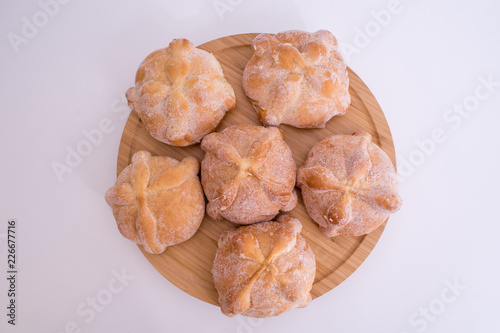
70	75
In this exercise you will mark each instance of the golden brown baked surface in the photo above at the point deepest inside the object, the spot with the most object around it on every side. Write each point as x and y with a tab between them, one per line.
248	174
349	185
180	93
297	78
158	201
264	269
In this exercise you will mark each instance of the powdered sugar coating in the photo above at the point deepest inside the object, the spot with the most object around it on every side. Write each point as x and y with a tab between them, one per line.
349	185
181	93
248	174
264	269
158	201
297	78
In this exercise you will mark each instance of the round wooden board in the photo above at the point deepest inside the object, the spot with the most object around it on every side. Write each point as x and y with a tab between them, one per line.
188	265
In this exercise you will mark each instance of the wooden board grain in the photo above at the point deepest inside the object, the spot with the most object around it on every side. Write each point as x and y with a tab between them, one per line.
188	265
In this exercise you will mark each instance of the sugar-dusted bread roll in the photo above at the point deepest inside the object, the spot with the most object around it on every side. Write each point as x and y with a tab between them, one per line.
297	78
248	174
264	269
349	185
158	201
180	93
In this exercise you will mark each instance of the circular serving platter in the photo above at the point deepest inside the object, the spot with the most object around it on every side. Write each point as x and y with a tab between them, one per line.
188	265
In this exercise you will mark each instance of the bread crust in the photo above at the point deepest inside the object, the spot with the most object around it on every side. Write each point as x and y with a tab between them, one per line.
349	185
248	174
157	201
264	269
180	93
297	78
